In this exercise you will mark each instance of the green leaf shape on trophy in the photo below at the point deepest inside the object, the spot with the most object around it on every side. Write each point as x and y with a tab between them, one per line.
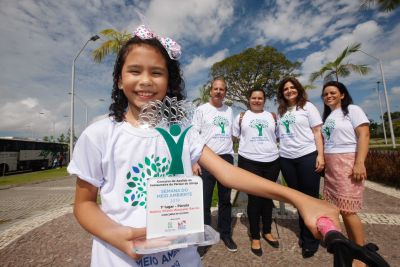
153	167
136	193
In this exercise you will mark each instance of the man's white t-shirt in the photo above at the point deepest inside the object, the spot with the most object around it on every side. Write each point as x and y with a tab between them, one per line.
257	136
296	138
119	158
339	130
215	125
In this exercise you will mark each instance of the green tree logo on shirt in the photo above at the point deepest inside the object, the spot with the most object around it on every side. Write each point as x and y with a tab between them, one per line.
328	128
136	193
259	125
221	122
288	119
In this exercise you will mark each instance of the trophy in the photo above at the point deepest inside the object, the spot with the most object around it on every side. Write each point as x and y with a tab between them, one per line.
174	200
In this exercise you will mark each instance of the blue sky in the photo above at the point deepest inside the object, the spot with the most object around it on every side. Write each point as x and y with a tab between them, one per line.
40	38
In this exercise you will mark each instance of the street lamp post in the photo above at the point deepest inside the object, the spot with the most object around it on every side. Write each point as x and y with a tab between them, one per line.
71	138
53	129
386	97
380	106
86	108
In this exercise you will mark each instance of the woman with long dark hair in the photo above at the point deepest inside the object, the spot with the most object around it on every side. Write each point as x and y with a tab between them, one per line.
346	138
301	149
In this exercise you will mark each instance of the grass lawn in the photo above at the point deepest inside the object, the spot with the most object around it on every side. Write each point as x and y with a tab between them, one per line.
214	200
26	178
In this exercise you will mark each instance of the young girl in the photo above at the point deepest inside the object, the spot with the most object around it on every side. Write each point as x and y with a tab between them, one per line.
113	150
346	136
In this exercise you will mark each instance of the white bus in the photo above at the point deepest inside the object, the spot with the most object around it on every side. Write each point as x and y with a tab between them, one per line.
17	155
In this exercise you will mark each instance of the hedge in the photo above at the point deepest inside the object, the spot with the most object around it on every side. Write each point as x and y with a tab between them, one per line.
383	166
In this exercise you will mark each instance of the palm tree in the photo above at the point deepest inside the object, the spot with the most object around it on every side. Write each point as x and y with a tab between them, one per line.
112	45
204	95
309	87
383	5
337	68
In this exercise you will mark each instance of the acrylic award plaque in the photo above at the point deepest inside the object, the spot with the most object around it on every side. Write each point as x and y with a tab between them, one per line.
174	204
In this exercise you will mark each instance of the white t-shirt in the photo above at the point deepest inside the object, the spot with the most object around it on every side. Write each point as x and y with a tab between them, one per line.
119	158
338	130
215	125
257	136
295	134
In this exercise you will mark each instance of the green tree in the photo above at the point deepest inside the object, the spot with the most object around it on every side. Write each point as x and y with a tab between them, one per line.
68	137
62	139
394	115
204	95
114	41
338	68
383	5
258	67
373	128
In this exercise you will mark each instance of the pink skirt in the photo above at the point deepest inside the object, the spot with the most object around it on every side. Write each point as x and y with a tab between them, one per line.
339	187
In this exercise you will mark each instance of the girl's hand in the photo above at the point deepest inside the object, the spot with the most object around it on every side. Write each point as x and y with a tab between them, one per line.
196	169
123	238
320	163
359	171
312	209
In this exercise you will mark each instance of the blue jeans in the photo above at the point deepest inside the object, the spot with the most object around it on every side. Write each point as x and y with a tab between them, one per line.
224	201
299	174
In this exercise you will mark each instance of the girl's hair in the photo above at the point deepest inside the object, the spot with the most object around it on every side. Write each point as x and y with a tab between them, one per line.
344	103
301	99
176	84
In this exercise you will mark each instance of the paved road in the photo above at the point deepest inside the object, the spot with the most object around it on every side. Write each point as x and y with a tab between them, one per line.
38	229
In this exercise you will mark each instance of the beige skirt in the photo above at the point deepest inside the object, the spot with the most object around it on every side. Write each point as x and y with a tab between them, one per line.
339	187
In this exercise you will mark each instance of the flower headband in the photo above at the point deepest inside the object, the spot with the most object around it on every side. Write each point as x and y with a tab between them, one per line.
172	47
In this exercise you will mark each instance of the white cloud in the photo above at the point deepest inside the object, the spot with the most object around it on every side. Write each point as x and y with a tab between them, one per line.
200	63
396	91
191	20
294	21
29	102
297	46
